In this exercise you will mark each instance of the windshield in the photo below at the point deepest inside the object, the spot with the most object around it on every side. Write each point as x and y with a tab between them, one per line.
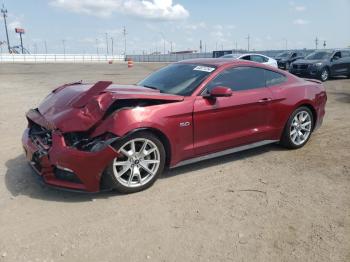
178	79
283	55
231	56
319	55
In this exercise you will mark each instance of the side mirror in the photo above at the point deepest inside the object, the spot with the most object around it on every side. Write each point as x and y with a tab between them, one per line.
220	91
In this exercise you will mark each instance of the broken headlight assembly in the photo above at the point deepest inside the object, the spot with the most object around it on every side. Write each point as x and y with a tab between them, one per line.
83	142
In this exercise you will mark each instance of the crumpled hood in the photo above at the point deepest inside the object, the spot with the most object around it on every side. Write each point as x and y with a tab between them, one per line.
78	107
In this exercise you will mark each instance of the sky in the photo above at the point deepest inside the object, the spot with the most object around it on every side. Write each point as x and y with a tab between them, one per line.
80	26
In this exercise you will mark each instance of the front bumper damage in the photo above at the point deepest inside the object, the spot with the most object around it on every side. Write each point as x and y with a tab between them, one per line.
59	165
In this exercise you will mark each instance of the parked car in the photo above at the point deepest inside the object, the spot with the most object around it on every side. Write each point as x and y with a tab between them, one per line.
253	57
323	64
101	136
286	58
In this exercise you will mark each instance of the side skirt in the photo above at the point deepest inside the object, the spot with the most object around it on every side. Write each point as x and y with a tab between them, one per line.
225	152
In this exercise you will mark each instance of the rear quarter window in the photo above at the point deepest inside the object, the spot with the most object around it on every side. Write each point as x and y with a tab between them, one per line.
273	78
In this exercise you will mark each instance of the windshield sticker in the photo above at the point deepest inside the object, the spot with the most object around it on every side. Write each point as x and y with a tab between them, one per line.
204	69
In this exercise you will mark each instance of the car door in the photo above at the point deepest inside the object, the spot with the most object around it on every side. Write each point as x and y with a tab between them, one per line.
227	122
340	63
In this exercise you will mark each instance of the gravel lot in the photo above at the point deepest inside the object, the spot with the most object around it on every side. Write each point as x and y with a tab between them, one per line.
266	204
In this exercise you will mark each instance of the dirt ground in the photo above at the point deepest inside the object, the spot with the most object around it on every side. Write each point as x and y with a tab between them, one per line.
266	204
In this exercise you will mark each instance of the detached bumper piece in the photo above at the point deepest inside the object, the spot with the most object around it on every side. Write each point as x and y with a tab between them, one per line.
62	166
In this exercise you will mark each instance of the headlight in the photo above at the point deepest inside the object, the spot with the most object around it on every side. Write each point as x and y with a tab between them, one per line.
318	64
81	141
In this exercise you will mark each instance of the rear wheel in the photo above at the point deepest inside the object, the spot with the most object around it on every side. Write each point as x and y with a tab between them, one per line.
324	76
141	161
298	128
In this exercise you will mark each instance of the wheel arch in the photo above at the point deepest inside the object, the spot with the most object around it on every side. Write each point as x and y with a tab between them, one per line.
104	179
160	135
312	109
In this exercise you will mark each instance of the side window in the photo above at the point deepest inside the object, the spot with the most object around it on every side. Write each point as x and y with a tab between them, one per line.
239	78
337	55
247	57
345	53
257	58
274	78
294	55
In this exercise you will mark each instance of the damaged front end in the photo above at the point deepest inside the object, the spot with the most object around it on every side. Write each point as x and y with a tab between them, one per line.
60	141
59	163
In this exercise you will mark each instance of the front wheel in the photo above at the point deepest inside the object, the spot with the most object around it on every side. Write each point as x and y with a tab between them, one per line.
287	66
141	161
298	128
324	75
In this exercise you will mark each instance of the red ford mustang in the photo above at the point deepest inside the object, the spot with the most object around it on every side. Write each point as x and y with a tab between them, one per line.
104	136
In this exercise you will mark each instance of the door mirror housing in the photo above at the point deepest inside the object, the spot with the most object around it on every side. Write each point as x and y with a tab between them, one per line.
220	91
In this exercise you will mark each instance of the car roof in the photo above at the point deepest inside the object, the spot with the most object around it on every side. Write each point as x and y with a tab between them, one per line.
217	62
253	54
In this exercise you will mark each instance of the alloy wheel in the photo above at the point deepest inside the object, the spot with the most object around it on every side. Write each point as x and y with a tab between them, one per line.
300	128
138	164
324	75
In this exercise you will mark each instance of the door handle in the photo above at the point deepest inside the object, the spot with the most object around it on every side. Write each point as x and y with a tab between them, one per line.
265	100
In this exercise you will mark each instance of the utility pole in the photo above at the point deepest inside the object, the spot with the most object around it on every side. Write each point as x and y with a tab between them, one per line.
324	44
163	41
4	14
248	38
64	46
316	42
112	47
163	46
35	48
200	46
97	52
20	31
124	34
107	43
45	46
171	46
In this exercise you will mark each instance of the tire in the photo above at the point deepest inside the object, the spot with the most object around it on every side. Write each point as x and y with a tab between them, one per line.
144	168
324	75
291	137
287	66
